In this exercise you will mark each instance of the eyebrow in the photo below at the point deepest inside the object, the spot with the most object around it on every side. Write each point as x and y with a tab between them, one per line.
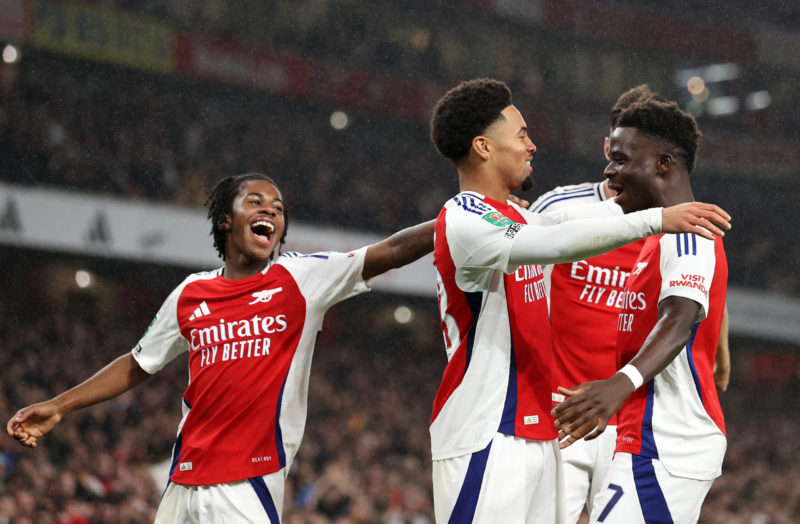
259	195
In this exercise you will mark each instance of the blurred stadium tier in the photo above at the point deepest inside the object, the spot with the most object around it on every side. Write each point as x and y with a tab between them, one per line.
117	117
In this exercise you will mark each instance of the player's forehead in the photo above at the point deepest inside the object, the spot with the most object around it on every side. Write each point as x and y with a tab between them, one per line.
631	140
259	187
513	119
510	122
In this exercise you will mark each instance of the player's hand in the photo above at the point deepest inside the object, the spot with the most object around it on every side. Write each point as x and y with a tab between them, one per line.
521	202
588	408
696	217
33	422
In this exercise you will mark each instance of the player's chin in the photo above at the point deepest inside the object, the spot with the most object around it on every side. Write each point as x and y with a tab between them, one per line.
527	184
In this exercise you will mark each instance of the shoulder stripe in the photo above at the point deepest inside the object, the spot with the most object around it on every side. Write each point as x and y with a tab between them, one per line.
541	206
294	254
686	244
472	204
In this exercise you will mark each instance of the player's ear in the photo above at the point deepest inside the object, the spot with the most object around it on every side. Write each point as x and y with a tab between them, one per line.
664	163
481	146
225	224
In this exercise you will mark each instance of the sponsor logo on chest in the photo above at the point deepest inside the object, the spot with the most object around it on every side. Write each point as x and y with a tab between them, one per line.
225	331
532	281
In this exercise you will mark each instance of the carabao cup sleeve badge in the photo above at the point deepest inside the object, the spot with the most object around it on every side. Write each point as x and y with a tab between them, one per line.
497	219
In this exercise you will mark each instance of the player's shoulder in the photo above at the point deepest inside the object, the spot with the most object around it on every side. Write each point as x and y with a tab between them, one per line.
468	211
201	275
469	202
295	260
687	245
562	196
292	260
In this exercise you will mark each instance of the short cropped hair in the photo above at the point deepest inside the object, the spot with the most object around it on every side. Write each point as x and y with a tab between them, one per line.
640	93
220	204
668	122
465	112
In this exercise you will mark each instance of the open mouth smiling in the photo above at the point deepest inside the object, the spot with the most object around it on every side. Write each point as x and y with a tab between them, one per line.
263	231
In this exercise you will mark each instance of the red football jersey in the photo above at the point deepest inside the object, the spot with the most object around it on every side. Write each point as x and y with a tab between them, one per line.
250	343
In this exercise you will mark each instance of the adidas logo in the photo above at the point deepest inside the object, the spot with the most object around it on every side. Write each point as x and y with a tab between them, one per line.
201	311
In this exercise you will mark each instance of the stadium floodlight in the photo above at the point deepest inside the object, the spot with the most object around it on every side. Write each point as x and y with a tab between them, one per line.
758	100
339	120
723	105
403	314
711	74
83	278
10	54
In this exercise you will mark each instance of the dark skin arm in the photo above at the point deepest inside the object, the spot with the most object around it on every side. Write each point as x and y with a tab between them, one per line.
589	406
722	361
400	249
33	422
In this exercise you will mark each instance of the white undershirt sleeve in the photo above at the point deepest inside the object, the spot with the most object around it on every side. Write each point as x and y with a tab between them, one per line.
580	239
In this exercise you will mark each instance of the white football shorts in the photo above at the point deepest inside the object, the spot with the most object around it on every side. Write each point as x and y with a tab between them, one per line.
513	480
586	463
256	500
639	490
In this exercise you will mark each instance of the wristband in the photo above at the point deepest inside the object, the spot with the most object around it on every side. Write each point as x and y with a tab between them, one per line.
632	373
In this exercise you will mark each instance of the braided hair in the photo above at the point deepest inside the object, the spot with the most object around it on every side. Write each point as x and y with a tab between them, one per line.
220	206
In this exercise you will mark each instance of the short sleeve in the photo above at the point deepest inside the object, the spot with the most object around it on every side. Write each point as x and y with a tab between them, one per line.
687	268
327	278
162	341
481	240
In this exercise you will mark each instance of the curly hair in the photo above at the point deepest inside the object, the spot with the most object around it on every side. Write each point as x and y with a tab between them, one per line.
640	93
220	205
668	122
465	112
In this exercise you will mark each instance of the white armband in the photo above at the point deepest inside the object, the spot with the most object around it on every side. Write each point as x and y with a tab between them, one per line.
632	373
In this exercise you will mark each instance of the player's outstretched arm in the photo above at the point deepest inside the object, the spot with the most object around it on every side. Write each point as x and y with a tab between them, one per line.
400	249
589	406
33	422
580	239
722	361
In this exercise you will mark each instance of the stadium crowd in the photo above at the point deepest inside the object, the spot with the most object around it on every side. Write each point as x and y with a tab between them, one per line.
96	128
365	457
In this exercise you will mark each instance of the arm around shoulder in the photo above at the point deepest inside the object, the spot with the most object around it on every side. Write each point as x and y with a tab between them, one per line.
400	249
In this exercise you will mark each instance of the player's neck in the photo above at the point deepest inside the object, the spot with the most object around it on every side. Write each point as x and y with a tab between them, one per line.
488	186
242	267
676	195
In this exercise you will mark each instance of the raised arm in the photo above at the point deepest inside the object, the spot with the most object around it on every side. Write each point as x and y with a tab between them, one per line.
33	422
591	405
400	249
